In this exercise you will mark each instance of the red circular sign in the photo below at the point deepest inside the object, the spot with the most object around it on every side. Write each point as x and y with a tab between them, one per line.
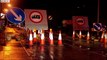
80	21
36	16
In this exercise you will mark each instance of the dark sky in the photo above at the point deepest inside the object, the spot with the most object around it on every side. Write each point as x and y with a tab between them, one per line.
65	9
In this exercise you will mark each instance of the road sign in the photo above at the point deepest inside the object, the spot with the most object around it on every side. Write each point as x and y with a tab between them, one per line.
36	19
36	16
80	23
97	26
15	15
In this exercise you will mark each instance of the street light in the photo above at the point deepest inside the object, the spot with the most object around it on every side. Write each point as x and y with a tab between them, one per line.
5	10
9	5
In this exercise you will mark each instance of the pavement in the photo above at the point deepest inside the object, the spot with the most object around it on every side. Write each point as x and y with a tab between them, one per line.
13	51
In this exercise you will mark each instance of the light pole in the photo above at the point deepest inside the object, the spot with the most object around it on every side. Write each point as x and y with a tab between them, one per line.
98	14
98	11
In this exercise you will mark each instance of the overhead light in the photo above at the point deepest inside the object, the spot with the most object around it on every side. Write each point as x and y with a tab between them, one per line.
5	1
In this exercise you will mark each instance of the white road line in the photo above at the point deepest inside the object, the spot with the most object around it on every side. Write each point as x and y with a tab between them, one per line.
25	49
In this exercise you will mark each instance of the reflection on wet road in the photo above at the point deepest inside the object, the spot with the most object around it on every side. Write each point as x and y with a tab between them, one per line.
13	51
47	52
67	52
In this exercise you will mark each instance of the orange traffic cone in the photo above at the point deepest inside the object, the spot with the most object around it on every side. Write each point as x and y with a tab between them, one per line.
80	35
88	36
73	36
102	37
105	41
31	38
39	33
60	39
34	36
51	37
42	38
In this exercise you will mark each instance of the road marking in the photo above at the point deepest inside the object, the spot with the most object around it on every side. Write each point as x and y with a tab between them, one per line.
25	49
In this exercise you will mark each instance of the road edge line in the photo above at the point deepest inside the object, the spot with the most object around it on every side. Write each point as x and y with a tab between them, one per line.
25	49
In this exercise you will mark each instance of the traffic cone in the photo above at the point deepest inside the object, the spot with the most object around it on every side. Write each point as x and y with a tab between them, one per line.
80	35
105	41
30	38
42	38
39	33
34	36
88	36
60	39
73	36
102	37
51	37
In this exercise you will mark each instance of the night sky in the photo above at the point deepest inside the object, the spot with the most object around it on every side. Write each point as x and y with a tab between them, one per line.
65	9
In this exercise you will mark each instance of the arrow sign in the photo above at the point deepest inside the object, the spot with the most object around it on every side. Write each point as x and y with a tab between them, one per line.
15	15
18	18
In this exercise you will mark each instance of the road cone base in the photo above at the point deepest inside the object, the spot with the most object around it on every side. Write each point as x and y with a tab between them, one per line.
73	36
60	45
51	42
30	43
102	40
60	42
88	42
42	42
34	40
51	45
80	36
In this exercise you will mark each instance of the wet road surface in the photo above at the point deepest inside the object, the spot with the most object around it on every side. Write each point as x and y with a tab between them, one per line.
13	51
